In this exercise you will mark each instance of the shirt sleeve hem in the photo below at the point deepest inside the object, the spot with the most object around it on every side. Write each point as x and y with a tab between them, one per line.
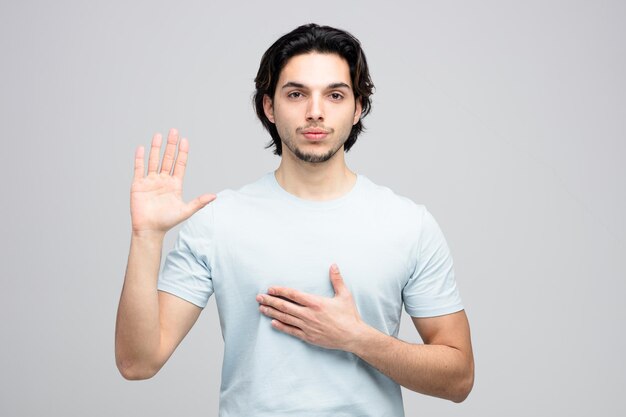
433	312
180	293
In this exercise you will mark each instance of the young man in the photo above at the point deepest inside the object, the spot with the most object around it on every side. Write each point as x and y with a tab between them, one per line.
301	336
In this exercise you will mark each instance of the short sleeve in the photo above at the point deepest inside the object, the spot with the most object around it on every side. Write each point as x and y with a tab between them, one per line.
431	289
187	272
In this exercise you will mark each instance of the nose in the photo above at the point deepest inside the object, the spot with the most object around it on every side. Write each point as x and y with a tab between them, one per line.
315	109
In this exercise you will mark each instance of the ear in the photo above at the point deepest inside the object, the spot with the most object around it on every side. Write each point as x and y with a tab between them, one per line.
358	109
268	108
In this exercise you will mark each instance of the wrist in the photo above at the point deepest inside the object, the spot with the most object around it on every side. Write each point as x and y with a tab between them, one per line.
148	235
362	339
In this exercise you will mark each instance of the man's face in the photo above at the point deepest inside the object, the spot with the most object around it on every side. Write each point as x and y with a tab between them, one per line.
313	107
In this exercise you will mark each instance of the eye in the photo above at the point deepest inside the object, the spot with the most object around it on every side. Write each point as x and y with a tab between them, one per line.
294	94
336	96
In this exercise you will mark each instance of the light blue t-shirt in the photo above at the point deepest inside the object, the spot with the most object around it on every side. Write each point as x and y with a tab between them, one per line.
390	252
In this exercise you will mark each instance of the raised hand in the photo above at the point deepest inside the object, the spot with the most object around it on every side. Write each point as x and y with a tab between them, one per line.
156	203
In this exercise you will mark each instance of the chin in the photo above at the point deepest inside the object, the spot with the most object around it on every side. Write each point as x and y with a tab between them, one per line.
316	156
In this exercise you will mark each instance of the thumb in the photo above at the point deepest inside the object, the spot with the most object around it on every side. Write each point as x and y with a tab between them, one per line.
199	202
337	280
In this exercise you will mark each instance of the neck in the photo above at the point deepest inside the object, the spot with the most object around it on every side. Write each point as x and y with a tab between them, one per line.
315	181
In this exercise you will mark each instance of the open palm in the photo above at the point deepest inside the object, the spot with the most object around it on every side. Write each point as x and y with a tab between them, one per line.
156	203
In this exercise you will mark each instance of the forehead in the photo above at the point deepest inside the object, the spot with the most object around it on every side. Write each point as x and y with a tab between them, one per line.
314	69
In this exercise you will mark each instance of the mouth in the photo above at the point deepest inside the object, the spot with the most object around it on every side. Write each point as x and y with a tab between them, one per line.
314	134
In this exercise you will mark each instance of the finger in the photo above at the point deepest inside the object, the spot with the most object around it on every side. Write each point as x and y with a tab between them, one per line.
284	306
197	203
139	168
337	280
181	159
291	330
301	298
155	150
170	152
282	317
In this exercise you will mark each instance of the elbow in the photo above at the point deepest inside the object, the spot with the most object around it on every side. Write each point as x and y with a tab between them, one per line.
132	374
463	387
132	371
461	394
136	366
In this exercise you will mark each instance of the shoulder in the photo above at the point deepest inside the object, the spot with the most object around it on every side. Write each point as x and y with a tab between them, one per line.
236	204
256	189
388	201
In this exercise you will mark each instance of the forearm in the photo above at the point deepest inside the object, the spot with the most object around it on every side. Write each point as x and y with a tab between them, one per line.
436	370
138	331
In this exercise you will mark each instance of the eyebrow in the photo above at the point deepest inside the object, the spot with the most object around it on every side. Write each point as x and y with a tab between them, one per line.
330	86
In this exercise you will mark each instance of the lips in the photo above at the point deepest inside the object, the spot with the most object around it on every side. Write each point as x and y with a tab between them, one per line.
315	134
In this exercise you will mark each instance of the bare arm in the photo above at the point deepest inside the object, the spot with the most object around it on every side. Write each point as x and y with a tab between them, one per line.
443	366
150	324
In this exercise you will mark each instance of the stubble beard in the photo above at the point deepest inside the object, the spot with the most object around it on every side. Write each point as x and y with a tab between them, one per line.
313	158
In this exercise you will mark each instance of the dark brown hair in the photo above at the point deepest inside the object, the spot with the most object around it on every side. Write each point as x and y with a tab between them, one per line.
306	39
